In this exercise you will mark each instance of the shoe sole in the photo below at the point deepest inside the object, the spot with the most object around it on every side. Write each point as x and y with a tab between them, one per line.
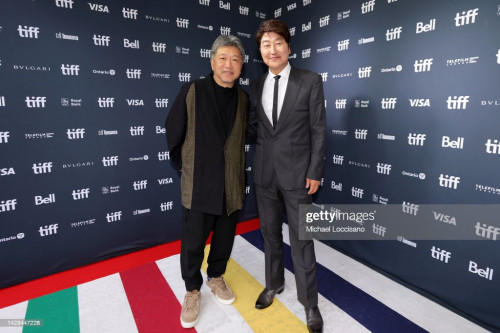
277	292
224	301
190	324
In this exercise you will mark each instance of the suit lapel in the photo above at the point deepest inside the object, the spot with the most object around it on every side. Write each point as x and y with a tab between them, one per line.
260	89
292	90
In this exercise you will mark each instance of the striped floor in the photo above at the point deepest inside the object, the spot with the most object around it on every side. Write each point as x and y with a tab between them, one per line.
353	298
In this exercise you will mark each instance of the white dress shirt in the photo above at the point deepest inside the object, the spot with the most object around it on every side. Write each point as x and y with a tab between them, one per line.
268	92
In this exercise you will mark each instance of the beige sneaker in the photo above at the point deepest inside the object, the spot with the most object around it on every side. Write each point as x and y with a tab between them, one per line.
190	313
222	292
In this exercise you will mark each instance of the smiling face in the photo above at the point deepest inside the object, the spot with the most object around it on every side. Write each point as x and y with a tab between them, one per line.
274	51
226	64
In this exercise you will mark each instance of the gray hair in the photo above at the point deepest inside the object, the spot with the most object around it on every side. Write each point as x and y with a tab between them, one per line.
228	40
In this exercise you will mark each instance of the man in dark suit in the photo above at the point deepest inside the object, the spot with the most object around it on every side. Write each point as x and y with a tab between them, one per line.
288	115
206	132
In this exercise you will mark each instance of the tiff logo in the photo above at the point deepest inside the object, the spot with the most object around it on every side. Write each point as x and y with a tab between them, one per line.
113	217
491	147
410	208
449	181
8	205
277	13
106	102
130	13
110	161
163	156
292	31
159	47
70	69
384	169
184	77
140	185
360	134
457	103
441	255
64	3
498	57
357	192
2	100
39	168
81	194
367	7
338	159
487	231
306	27
28	32
343	45
379	230
468	17
389	103
205	53
136	130
48	230
324	21
394	33
77	133
340	103
133	73
4	137
101	40
306	2
416	139
35	102
164	206
364	72
306	53
182	23
226	31
423	65
244	10
161	102
205	2
324	76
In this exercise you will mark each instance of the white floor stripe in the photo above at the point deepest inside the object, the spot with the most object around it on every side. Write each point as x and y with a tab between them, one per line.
252	260
417	308
17	311
103	307
214	317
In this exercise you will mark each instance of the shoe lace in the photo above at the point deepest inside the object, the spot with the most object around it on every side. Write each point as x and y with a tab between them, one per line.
220	283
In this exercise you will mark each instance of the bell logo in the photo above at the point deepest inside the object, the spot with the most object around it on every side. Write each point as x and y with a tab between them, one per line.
226	6
368	6
70	69
465	18
343	45
81	194
159	47
98	8
455	144
130	44
410	208
130	13
164	206
39	200
28	32
306	27
440	255
498	57
357	192
8	205
492	146
35	102
421	27
394	33
160	130
336	186
161	102
100	40
133	73
485	273
244	82
449	181
48	230
64	3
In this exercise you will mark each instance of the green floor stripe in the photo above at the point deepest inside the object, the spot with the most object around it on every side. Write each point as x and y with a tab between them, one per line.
58	311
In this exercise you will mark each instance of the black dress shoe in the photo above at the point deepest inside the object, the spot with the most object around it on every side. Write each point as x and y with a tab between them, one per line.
314	320
266	297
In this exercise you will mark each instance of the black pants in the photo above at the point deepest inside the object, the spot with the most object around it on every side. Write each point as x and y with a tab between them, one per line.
196	228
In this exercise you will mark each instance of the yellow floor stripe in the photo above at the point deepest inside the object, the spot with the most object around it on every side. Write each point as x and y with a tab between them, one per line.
276	318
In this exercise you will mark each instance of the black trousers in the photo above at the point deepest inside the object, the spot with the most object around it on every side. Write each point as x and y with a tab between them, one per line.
271	201
196	228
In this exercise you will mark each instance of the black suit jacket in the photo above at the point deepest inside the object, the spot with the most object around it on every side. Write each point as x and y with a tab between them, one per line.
296	148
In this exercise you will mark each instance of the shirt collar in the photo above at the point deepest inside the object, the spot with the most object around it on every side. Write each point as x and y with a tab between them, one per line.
285	73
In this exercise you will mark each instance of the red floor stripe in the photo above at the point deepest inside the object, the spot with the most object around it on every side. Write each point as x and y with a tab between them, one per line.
154	305
58	281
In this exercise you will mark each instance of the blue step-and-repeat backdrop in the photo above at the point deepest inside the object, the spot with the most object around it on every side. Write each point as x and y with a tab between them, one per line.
412	93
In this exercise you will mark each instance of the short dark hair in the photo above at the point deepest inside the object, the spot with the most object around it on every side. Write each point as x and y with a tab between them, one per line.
275	26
